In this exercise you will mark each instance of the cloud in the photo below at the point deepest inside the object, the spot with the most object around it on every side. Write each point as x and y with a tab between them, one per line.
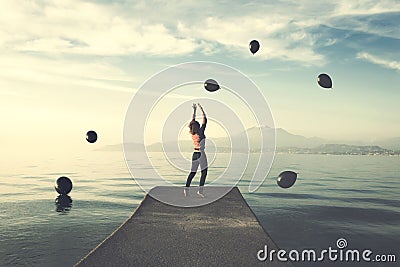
19	69
77	27
88	28
279	38
120	28
366	7
390	64
379	25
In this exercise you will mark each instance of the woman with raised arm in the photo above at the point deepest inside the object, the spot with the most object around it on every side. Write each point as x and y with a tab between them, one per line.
199	156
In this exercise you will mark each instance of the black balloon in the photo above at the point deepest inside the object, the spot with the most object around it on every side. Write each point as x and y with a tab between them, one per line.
324	80
254	46
286	179
211	85
91	136
63	185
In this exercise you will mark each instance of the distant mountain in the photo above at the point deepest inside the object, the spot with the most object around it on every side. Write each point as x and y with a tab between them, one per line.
392	143
285	141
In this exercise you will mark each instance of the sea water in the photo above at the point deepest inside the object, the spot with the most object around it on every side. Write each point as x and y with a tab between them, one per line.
351	197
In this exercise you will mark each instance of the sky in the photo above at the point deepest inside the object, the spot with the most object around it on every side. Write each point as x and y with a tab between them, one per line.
67	67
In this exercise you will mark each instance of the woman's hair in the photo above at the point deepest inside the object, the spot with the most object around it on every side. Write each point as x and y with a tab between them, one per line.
194	127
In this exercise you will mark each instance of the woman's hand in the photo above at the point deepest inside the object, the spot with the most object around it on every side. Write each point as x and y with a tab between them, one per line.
194	106
201	108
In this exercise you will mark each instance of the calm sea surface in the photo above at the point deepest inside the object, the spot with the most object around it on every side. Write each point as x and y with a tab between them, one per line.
351	197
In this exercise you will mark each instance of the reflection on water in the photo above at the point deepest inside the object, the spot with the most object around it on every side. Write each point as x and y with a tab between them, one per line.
63	203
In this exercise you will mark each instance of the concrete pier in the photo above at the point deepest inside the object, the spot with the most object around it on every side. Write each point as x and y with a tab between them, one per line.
223	233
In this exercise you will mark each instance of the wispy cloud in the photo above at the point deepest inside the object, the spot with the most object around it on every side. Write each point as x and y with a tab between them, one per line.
391	64
279	38
284	28
366	7
78	27
17	69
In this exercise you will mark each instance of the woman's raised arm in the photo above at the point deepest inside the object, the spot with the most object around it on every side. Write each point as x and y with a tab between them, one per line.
204	114
194	112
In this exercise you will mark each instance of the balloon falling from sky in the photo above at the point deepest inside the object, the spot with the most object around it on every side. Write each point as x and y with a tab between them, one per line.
91	136
324	81
286	179
254	46
63	185
211	85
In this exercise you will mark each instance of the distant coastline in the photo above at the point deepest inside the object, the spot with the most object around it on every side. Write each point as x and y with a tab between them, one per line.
285	143
341	149
326	149
330	149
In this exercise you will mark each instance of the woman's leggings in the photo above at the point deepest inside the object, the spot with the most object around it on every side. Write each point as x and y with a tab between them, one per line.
198	158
